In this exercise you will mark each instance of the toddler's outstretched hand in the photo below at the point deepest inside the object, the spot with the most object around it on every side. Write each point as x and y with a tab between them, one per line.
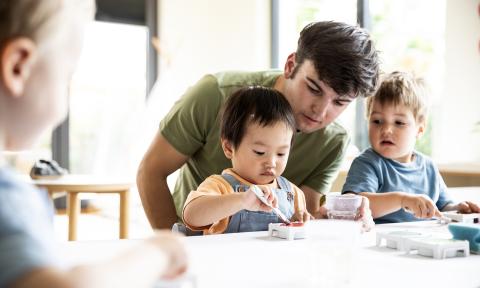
420	205
467	207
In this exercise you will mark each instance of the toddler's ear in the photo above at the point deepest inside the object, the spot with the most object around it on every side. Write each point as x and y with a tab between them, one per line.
227	148
18	57
421	130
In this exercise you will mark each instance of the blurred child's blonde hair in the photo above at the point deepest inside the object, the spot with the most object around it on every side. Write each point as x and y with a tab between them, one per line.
401	88
38	20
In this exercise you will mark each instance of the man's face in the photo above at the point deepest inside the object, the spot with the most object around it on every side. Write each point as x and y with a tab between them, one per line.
314	103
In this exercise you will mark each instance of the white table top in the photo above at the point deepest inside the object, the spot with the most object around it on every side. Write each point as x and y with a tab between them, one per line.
256	260
80	179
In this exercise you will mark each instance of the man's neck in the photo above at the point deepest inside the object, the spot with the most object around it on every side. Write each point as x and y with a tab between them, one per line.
280	84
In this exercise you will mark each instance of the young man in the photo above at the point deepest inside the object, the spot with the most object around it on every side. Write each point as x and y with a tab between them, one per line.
334	63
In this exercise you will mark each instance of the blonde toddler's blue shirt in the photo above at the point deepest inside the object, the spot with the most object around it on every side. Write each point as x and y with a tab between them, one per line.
370	172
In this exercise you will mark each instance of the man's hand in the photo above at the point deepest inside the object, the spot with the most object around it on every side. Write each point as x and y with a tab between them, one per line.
321	213
301	216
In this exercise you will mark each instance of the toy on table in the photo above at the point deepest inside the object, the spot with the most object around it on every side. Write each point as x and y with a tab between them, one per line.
397	239
437	248
294	230
462	218
469	232
343	207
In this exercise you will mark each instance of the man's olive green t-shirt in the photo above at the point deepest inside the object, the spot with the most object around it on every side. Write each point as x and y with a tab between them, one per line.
192	127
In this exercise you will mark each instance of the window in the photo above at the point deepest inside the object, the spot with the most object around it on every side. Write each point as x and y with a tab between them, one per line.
107	96
294	15
413	45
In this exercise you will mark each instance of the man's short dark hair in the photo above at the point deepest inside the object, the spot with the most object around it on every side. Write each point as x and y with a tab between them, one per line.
343	55
261	105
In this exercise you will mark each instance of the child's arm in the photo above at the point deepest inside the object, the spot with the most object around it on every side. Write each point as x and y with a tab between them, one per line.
159	256
382	204
465	207
208	209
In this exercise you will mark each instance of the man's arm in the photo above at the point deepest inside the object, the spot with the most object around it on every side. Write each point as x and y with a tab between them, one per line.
160	160
312	199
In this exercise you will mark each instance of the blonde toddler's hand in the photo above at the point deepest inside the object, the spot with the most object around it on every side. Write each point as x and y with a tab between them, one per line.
420	205
467	207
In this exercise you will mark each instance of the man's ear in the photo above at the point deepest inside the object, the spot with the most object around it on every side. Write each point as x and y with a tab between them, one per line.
18	57
227	148
289	66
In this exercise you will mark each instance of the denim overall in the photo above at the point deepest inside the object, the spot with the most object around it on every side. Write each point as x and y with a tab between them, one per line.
248	221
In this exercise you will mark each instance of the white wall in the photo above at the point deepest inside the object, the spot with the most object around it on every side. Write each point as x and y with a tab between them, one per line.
460	108
199	37
207	36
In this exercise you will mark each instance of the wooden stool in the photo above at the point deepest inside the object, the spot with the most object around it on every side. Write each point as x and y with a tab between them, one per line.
73	185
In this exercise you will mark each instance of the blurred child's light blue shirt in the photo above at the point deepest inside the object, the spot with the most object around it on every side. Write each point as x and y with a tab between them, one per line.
370	172
26	230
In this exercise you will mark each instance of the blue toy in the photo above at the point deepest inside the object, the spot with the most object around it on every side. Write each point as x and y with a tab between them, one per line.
465	231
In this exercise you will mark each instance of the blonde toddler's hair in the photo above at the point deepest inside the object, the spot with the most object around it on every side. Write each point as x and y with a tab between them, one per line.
402	88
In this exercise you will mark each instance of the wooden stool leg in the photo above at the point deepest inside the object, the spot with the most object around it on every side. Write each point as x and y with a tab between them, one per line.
124	213
73	210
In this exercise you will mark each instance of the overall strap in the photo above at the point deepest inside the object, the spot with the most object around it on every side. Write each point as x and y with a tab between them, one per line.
236	185
284	184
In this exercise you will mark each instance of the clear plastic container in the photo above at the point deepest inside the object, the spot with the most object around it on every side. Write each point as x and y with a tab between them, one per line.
343	207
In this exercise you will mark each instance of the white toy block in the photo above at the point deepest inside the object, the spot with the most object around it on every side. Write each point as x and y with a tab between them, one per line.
397	239
438	248
295	230
462	218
